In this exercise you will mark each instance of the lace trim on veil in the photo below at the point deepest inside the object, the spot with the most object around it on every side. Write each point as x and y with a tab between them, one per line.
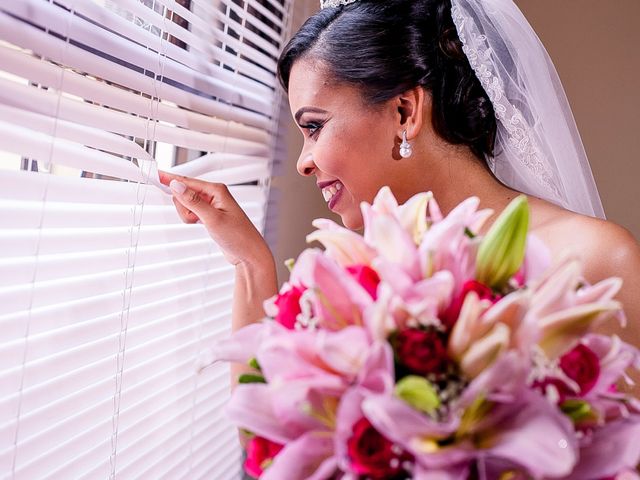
519	136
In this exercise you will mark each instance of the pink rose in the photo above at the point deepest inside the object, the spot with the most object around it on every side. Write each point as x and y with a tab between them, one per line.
367	277
422	351
288	303
450	316
582	366
260	454
372	455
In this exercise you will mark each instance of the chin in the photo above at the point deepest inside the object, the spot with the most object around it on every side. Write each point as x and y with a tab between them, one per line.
352	220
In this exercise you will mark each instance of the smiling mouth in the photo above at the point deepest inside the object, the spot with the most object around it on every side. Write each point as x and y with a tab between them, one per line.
332	193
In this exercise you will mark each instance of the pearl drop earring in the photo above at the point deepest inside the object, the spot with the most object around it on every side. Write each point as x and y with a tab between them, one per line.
406	150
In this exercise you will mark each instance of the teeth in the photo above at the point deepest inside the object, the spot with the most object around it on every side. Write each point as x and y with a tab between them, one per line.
330	191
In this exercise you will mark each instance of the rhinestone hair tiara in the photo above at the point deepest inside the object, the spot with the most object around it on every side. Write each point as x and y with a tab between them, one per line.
334	3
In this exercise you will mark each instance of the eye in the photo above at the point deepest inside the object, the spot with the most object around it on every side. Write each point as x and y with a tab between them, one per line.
312	128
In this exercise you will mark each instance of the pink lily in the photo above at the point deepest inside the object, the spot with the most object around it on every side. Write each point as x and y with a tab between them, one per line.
385	233
446	246
308	375
343	245
525	430
615	358
338	300
609	450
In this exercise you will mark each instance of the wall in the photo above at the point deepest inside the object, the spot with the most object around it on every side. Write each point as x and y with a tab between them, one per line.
594	48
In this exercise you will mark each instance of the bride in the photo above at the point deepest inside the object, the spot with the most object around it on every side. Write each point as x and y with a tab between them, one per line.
457	97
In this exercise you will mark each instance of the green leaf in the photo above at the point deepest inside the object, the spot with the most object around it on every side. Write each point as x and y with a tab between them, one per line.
253	363
251	378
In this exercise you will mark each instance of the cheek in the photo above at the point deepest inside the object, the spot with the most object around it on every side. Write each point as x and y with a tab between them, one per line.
334	152
358	151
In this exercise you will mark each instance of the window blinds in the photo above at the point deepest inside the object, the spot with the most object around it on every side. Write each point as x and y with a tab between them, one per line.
106	298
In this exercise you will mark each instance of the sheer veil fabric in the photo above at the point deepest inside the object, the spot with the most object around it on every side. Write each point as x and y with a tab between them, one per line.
538	147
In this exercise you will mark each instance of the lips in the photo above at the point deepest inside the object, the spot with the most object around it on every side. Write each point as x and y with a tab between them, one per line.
331	191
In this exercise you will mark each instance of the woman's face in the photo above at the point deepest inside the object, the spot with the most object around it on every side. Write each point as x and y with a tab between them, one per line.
348	146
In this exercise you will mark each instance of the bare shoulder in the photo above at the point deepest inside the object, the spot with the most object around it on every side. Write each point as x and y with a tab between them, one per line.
607	249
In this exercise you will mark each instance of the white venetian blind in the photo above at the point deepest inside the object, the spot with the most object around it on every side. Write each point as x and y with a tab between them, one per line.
106	297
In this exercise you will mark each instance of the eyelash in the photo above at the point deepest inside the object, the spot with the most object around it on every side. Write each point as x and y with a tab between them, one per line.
313	129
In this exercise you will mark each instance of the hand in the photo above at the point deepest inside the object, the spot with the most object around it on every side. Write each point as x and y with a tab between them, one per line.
212	205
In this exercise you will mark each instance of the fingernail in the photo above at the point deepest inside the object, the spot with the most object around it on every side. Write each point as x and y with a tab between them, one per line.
177	187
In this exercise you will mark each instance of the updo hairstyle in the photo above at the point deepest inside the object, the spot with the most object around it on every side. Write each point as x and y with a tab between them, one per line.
386	47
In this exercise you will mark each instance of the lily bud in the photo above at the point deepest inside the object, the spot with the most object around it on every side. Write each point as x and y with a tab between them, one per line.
289	263
419	393
502	250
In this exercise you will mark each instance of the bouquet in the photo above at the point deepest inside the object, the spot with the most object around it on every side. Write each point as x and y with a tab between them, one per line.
424	350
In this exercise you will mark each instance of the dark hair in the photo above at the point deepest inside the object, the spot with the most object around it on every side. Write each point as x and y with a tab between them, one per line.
386	47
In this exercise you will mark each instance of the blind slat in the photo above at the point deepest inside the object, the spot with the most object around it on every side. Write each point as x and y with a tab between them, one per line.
50	103
107	299
30	185
87	384
26	66
37	448
87	33
149	299
62	52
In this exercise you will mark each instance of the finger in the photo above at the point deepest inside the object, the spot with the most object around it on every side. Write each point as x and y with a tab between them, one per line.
196	202
211	190
186	215
165	177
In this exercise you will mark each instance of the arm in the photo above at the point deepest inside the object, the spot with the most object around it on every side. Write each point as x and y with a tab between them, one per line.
254	284
239	240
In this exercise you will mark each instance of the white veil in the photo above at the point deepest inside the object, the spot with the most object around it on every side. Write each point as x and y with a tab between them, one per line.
538	147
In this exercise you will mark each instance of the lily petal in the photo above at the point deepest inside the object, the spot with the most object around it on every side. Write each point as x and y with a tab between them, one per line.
307	457
243	344
413	215
343	245
469	326
258	417
560	331
538	437
612	449
484	351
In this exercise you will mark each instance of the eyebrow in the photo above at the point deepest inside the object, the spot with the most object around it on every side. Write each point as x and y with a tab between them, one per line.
304	110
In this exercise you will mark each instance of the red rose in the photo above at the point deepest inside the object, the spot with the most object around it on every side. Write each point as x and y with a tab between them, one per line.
372	455
367	277
422	351
452	313
561	388
260	453
288	304
582	366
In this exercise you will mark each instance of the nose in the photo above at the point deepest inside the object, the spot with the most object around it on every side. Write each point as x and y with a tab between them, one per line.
305	164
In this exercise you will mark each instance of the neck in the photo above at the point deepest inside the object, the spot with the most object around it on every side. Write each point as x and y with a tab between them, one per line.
453	174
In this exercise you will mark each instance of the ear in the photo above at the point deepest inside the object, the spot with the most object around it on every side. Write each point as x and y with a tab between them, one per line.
411	111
